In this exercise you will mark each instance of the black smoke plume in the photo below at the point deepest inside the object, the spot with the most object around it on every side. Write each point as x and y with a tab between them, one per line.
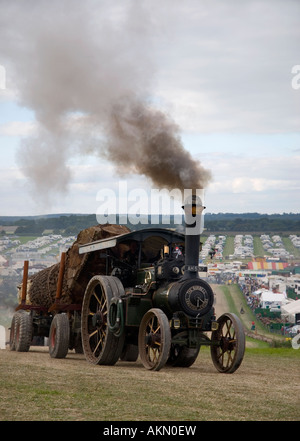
86	70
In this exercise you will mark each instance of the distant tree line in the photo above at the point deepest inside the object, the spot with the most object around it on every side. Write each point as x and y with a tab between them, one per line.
262	224
227	222
68	225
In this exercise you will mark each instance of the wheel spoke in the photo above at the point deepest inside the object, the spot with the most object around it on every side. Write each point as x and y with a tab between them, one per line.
97	298
157	329
155	354
104	306
228	326
230	359
97	346
93	333
151	323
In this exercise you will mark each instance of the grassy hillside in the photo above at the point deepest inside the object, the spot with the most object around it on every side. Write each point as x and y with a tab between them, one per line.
236	300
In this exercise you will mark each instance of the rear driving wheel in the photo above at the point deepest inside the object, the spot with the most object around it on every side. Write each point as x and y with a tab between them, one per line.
228	344
99	344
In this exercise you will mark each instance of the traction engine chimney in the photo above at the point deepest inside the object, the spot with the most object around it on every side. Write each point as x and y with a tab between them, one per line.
193	209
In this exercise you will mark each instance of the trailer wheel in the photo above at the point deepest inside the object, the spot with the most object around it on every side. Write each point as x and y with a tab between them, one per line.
12	337
100	345
23	331
154	339
228	344
59	336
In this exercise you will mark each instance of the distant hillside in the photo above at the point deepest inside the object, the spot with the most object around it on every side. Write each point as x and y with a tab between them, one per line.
8	220
220	222
253	222
249	216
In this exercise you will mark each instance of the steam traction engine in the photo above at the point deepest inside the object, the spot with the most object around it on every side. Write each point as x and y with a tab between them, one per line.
154	304
149	300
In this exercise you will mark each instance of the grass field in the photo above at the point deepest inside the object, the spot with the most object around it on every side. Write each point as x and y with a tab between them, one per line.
290	247
35	387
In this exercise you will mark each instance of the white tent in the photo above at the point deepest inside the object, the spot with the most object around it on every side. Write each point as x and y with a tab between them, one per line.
260	291
290	310
269	299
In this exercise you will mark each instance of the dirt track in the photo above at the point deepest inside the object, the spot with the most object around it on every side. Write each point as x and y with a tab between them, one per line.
220	301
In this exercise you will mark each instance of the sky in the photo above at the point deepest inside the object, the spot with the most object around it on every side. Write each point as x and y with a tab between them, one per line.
221	78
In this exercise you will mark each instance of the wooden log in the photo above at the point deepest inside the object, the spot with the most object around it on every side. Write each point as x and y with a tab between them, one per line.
78	270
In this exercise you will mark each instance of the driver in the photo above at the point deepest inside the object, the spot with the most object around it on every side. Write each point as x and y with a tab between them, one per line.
131	256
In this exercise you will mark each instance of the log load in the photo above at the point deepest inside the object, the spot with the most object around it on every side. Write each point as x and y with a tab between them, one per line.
79	269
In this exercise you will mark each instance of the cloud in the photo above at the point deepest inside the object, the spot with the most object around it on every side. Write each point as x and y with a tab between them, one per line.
214	67
265	184
235	65
14	200
229	164
18	128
